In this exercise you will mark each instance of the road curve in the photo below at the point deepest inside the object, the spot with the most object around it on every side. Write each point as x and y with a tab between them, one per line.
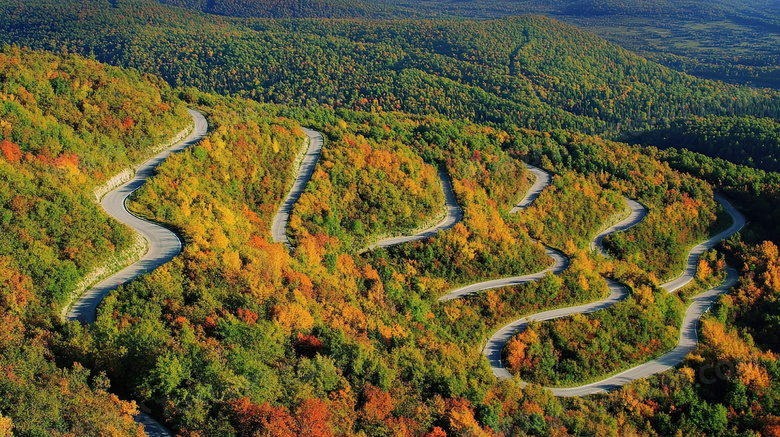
695	253
495	345
688	336
164	245
638	213
282	217
454	216
560	263
687	343
543	179
152	428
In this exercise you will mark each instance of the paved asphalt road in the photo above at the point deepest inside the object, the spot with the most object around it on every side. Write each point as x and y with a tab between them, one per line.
454	215
543	179
686	344
164	245
618	292
152	428
282	217
688	336
638	213
279	225
697	251
561	262
495	345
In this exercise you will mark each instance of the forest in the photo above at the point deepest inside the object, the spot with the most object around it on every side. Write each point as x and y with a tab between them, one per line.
749	141
239	336
68	125
367	191
734	41
529	71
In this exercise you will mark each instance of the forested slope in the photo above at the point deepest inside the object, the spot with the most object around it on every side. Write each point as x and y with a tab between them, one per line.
68	124
530	70
339	343
734	41
295	8
730	40
238	336
750	141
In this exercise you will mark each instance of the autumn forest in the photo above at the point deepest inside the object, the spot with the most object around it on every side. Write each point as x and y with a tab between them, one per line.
506	210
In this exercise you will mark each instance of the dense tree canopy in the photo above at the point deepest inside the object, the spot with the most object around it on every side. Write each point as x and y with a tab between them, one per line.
530	71
239	336
68	124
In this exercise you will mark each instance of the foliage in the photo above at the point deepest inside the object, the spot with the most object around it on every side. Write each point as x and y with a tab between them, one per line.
670	196
530	71
364	190
62	134
577	349
753	305
749	141
238	336
571	211
40	398
754	191
68	124
289	8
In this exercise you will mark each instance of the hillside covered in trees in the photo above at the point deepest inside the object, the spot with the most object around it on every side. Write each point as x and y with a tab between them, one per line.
68	125
239	336
730	40
530	71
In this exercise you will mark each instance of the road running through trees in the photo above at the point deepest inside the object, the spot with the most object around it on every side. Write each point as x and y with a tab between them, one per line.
688	335
163	245
313	148
312	152
453	217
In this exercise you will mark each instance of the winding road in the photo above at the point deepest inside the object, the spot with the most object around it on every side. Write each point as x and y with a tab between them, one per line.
688	336
695	253
309	162
543	179
560	263
687	343
163	245
454	215
638	213
495	345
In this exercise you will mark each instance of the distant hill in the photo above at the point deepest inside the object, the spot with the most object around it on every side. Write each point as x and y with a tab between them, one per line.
531	71
730	40
296	8
733	41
